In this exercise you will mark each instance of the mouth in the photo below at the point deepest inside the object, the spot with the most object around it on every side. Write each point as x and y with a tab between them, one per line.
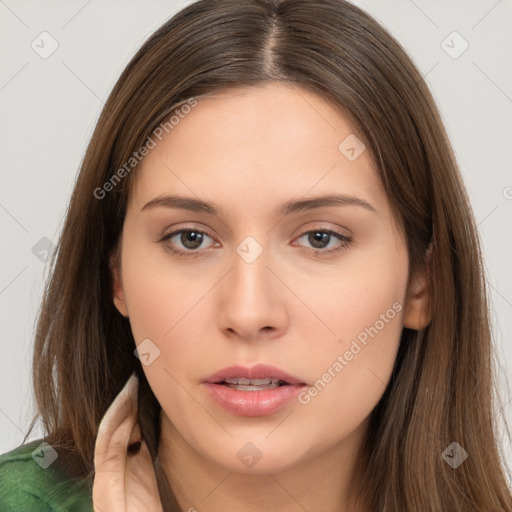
255	378
260	390
242	384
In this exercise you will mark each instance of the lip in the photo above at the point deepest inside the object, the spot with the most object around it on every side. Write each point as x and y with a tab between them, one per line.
253	403
259	371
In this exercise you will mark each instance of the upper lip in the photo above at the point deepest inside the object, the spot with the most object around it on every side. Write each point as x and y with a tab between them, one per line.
259	371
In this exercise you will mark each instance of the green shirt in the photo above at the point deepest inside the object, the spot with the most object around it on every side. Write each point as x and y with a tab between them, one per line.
31	480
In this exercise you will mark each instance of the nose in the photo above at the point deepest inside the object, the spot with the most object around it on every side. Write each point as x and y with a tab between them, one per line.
252	302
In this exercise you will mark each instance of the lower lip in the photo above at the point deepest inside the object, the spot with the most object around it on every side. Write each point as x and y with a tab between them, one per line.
253	403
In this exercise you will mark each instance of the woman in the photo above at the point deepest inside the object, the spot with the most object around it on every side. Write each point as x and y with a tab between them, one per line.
269	229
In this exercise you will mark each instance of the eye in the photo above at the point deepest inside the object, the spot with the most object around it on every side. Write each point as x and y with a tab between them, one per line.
190	240
321	238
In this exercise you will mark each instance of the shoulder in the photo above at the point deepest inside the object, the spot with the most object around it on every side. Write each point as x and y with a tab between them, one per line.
32	479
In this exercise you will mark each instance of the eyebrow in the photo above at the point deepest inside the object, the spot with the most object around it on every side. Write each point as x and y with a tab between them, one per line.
290	207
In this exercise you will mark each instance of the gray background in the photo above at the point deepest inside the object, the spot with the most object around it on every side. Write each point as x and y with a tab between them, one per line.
49	108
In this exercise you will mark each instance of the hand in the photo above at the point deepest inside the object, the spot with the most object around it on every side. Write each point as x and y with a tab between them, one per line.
125	479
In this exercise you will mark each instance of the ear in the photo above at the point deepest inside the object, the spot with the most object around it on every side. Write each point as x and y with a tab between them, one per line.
418	312
117	285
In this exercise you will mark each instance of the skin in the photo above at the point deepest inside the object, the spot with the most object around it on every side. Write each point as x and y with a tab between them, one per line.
249	151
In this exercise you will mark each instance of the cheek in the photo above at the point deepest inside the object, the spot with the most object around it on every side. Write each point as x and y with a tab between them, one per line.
348	387
161	305
156	293
165	306
366	294
351	368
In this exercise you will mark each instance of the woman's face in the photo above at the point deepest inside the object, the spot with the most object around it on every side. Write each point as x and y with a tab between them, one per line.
251	290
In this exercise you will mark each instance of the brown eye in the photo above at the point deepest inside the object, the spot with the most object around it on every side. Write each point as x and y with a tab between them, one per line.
319	239
191	239
188	241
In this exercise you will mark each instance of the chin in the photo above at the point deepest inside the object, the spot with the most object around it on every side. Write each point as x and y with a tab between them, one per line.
256	457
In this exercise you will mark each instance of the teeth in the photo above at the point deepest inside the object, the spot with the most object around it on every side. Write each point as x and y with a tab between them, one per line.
253	382
242	384
248	387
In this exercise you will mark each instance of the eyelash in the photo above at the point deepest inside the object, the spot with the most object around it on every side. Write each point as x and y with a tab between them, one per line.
345	242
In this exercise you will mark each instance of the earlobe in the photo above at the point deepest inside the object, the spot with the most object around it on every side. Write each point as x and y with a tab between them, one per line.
117	285
418	312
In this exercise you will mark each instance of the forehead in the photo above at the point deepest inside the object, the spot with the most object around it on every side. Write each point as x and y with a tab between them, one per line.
255	144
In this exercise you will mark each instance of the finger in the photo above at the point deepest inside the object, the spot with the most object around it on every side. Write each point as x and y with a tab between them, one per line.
141	482
114	432
118	422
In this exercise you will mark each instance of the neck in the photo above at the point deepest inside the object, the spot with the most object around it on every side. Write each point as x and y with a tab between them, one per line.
189	482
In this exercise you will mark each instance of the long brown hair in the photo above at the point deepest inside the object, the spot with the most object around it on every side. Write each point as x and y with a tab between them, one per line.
442	387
